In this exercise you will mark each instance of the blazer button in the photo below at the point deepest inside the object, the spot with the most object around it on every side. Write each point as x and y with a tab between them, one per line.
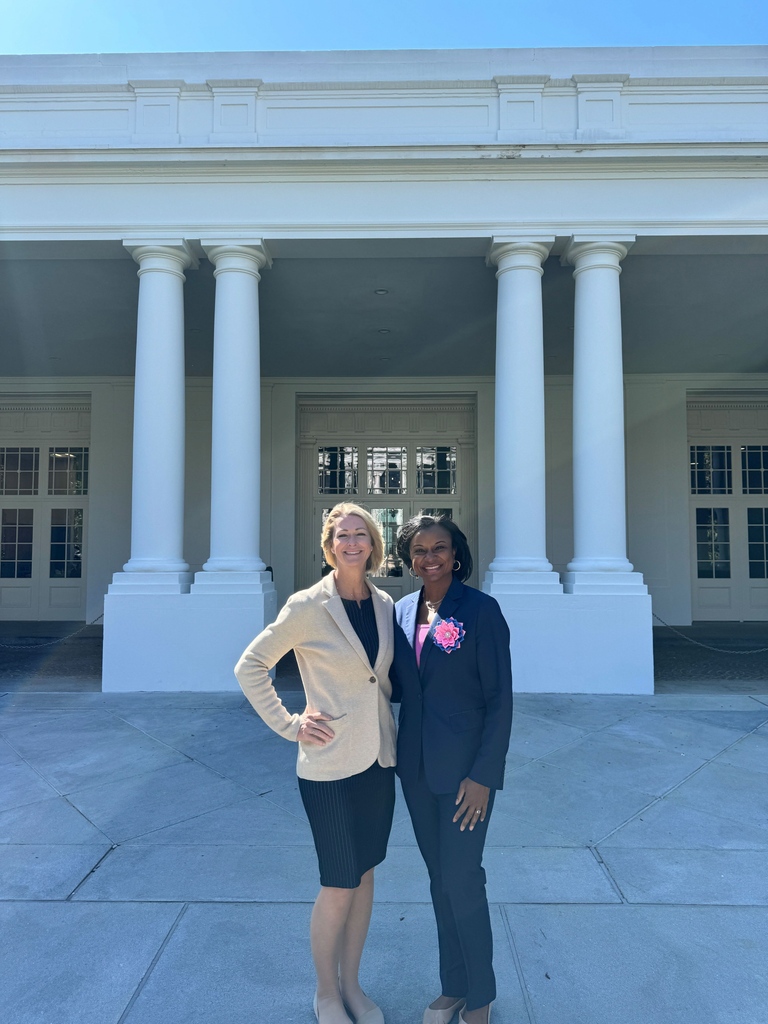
372	679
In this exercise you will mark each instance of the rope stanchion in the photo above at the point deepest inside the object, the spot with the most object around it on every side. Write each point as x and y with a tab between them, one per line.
708	647
50	643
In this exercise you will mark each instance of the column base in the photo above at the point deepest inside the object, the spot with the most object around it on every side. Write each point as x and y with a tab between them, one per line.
608	583
496	582
579	643
150	583
174	642
155	565
233	583
250	565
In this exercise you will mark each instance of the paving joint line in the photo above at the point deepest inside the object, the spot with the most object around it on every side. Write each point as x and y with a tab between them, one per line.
153	963
286	810
91	822
183	821
135	775
189	757
607	872
119	716
88	874
37	772
527	1001
677	785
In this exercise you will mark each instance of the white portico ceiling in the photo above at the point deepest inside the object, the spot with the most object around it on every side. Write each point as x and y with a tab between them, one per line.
75	314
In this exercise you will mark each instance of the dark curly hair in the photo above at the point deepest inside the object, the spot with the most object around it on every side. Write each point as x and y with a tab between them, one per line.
459	542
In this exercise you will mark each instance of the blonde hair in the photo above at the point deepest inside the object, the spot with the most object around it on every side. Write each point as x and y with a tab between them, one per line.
347	508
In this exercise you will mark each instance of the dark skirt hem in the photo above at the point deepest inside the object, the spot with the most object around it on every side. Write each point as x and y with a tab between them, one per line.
350	820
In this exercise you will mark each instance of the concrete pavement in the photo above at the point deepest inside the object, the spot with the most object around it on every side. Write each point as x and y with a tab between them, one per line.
156	866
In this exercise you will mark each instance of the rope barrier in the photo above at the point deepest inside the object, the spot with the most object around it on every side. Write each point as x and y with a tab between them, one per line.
50	643
708	647
697	643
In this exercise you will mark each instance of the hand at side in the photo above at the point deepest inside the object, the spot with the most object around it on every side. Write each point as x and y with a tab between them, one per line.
472	803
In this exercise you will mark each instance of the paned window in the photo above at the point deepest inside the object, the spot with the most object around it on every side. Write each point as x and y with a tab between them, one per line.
19	470
337	469
754	468
16	543
713	543
387	470
711	471
437	512
757	519
389	520
385	517
436	470
68	471
66	543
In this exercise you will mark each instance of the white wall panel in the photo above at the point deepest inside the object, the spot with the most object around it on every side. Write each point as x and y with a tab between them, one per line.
558	397
657	492
109	520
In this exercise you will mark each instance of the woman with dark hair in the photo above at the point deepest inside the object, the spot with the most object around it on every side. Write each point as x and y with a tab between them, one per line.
453	678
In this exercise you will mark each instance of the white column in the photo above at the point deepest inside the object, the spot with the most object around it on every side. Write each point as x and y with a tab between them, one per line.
520	564
157	506
600	562
235	564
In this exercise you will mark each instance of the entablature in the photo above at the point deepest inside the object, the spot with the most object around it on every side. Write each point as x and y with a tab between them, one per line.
252	114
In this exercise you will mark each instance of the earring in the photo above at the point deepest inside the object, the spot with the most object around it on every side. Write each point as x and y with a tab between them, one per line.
412	573
456	565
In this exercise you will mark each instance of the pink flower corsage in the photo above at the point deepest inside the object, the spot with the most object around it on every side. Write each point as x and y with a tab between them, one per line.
448	635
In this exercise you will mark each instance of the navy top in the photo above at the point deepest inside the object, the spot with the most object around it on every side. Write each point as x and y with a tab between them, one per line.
363	619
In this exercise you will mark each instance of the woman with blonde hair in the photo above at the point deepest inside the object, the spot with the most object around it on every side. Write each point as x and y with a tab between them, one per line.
341	630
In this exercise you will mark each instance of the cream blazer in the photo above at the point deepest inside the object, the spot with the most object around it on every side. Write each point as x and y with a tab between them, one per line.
337	676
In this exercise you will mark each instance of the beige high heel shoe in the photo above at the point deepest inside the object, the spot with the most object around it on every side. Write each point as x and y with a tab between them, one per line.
443	1016
372	1016
317	1013
461	1015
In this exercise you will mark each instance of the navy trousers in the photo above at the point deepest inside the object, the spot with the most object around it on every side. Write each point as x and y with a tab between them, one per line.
454	860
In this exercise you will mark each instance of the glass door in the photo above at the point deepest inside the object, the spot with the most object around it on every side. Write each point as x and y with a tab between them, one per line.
43	512
728	531
393	576
393	482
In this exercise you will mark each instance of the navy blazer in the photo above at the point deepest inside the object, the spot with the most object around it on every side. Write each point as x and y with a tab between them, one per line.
455	708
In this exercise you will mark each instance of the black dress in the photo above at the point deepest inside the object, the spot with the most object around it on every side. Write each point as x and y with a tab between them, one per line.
351	818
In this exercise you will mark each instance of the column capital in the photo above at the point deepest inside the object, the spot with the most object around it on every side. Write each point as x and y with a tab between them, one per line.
246	255
518	252
173	254
606	251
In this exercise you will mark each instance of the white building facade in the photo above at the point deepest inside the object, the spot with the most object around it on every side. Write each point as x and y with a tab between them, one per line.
526	288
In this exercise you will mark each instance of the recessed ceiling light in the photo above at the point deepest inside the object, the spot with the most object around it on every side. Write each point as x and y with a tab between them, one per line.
381	291
384	330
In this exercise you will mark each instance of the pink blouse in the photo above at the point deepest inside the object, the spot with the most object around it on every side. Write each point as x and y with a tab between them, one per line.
421	636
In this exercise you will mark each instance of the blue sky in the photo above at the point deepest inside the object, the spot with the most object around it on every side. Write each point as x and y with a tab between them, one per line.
109	26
